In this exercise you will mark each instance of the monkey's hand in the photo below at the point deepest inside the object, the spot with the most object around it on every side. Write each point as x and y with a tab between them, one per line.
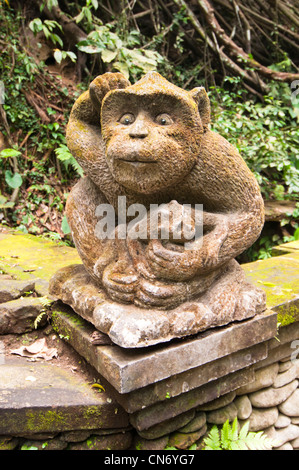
119	277
155	294
137	253
120	281
102	84
168	262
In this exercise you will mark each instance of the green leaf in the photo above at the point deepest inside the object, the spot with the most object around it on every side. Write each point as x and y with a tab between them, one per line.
9	153
95	4
212	442
89	47
123	68
36	25
108	56
226	435
56	39
65	226
79	17
58	55
13	180
72	56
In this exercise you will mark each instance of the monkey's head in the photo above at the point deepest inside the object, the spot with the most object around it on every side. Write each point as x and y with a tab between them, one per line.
152	132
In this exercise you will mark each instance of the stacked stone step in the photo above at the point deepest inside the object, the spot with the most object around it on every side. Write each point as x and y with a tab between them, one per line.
165	394
19	305
44	406
96	439
270	403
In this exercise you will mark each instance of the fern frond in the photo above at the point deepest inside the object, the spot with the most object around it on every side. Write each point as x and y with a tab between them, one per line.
45	301
244	431
258	441
212	442
226	435
235	428
231	439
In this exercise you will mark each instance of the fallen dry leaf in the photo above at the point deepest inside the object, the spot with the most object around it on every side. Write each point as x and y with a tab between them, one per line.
36	350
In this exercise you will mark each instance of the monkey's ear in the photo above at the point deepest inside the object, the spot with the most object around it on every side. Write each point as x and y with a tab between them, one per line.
201	98
102	84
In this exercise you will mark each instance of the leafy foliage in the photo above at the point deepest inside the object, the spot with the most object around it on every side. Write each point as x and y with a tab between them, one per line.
124	36
230	438
266	134
123	57
65	156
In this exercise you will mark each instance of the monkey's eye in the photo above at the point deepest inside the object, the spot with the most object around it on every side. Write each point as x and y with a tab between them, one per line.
163	119
127	119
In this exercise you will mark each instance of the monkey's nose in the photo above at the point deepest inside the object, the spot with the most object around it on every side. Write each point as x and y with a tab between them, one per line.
138	130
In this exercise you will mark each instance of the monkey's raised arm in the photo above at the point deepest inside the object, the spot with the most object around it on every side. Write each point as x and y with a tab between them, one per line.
83	131
85	142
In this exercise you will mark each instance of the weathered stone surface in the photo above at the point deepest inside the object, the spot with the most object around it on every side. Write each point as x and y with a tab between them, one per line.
17	316
125	371
166	427
281	353
186	401
244	407
278	276
228	412
290	406
272	396
261	419
130	326
190	379
121	441
37	258
197	422
285	377
13	289
200	286
8	442
286	446
219	402
282	436
51	444
76	436
290	331
295	443
150	444
284	366
282	421
264	377
52	400
185	440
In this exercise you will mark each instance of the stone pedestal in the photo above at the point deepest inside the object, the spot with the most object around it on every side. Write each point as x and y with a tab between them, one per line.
230	298
161	384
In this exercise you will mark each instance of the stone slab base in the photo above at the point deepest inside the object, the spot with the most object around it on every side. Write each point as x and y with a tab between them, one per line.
230	298
39	397
131	369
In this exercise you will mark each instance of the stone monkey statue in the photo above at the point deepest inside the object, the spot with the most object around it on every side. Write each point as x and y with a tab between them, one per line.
151	143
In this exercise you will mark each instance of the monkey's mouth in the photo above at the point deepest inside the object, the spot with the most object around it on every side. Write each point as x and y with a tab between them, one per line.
137	163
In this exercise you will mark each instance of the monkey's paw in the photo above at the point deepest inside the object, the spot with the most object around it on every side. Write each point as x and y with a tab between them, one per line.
170	263
120	281
159	295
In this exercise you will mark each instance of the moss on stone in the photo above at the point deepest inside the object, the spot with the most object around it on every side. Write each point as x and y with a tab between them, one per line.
44	420
288	314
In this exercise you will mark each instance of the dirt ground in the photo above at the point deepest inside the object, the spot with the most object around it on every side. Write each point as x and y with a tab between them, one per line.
66	357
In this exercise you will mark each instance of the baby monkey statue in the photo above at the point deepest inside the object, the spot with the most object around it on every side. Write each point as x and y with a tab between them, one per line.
164	209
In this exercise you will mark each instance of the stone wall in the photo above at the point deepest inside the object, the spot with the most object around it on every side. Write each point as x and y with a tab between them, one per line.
172	394
268	398
270	403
